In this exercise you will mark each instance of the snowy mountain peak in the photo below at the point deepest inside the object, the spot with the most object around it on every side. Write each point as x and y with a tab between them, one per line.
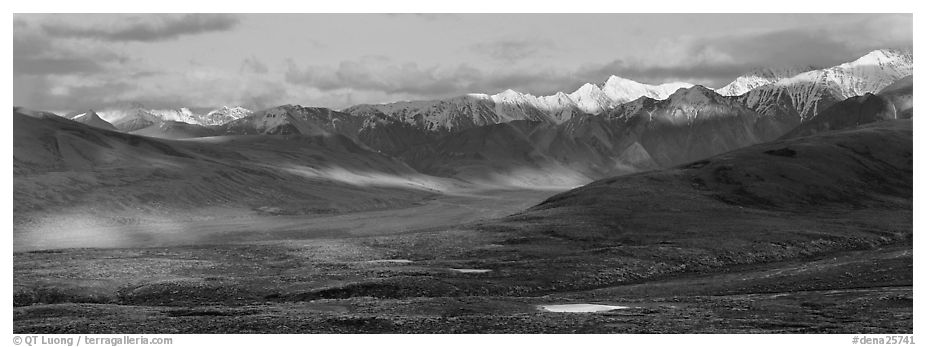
616	80
91	118
508	96
882	57
224	115
621	90
587	91
759	77
559	98
513	97
812	91
891	61
591	99
588	87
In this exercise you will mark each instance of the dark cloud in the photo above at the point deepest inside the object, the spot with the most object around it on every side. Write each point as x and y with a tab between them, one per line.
35	55
512	50
56	66
147	28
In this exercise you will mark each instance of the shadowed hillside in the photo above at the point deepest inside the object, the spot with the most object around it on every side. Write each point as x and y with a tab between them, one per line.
866	166
848	113
70	177
849	189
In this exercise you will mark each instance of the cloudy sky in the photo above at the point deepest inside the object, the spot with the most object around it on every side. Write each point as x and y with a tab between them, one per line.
75	62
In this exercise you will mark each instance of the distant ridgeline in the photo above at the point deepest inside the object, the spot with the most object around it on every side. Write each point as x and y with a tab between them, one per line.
617	127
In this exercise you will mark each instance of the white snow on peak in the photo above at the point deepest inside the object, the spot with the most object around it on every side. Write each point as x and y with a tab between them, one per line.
760	77
867	74
881	57
621	90
591	99
876	68
183	114
224	115
556	101
616	90
512	97
511	105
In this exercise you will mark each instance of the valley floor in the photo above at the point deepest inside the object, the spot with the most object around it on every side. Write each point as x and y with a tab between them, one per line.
433	269
231	225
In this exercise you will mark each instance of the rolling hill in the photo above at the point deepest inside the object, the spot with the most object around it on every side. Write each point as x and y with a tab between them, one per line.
70	177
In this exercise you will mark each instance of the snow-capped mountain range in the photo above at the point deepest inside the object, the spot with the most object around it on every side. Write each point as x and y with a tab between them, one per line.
135	116
589	98
803	91
812	91
616	127
593	99
224	115
760	77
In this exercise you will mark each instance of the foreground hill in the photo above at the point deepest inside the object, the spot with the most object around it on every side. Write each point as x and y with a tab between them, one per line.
868	166
787	199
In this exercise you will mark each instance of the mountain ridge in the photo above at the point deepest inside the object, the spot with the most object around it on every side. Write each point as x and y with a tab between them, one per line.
808	90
